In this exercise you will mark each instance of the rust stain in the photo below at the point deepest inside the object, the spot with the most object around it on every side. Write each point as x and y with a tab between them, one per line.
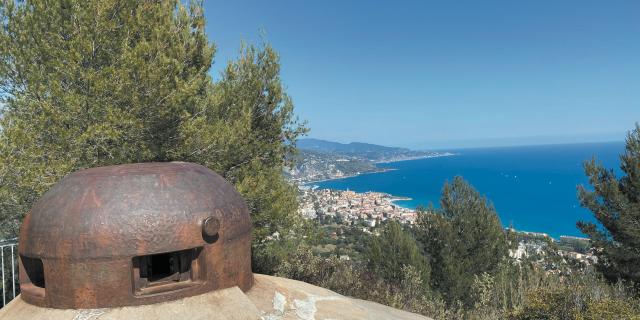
95	199
95	227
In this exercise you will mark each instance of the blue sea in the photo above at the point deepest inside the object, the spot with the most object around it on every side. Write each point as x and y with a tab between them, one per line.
533	188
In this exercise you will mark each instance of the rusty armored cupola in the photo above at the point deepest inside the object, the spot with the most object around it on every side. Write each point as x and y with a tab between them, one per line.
134	234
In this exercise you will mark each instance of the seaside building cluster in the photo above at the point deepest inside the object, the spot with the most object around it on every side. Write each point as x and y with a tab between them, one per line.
348	207
365	211
553	253
349	210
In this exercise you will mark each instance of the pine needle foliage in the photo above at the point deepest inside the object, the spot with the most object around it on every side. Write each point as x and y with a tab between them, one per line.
615	203
392	251
463	239
104	82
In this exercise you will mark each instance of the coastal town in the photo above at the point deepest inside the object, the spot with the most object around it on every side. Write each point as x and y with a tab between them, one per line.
364	212
347	217
349	208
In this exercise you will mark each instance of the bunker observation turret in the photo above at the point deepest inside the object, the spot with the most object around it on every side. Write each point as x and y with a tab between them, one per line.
134	234
156	241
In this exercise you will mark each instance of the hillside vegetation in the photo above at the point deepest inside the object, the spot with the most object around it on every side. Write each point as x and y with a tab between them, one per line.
457	261
94	83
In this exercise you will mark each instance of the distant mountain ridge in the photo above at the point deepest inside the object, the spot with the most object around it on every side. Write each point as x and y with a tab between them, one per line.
318	145
321	160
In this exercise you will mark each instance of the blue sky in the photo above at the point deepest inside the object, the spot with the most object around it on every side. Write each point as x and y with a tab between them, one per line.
427	74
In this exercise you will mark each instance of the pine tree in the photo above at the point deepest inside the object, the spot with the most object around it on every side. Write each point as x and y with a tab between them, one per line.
392	251
615	203
103	82
463	238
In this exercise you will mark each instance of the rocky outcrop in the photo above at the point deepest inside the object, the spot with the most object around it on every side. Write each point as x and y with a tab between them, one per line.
280	298
271	298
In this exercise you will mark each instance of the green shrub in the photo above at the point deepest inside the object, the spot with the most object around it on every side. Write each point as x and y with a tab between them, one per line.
610	309
569	303
548	304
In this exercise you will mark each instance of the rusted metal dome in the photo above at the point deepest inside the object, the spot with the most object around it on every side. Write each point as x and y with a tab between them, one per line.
134	234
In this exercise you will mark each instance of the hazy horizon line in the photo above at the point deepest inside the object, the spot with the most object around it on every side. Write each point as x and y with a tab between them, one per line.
491	142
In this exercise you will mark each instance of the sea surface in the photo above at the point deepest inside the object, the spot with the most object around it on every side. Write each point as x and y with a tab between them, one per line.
533	188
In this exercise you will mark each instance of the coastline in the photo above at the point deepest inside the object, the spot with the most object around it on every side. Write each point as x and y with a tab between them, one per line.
382	170
394	200
439	155
540	165
522	232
